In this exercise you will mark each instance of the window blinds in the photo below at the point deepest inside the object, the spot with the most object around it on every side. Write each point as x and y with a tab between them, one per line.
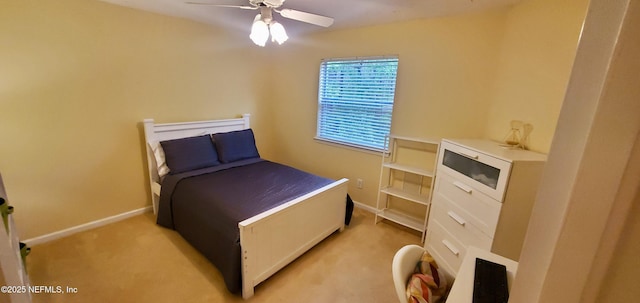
355	101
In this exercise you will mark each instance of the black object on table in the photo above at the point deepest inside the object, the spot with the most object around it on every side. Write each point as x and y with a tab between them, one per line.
490	282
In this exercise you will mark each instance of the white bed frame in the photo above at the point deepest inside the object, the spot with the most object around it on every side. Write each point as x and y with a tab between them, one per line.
272	239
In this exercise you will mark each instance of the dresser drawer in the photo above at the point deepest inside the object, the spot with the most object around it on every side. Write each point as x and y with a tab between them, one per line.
487	173
458	224
444	246
477	208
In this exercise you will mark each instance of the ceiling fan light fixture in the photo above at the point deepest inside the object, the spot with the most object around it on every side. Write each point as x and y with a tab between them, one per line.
264	25
278	34
259	31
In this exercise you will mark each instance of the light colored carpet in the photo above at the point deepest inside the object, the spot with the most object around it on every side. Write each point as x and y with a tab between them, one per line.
135	260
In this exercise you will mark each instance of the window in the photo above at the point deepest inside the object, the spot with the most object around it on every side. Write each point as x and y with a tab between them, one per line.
355	101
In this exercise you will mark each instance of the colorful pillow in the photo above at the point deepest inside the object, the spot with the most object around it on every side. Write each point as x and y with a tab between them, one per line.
189	153
427	284
236	145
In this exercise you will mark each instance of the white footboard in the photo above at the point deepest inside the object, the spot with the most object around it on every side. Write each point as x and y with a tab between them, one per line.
273	239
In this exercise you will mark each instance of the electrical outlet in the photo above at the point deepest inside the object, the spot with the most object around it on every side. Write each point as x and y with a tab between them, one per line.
359	183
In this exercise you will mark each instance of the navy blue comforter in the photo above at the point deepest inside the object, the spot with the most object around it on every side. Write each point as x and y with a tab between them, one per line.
206	205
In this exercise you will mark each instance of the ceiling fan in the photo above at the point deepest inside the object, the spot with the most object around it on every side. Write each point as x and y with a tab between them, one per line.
263	24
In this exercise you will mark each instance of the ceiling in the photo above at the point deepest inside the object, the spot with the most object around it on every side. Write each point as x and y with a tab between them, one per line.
347	13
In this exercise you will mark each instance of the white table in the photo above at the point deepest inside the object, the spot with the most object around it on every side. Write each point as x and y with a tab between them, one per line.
462	290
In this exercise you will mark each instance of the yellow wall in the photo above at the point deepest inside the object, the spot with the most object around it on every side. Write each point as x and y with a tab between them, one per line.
445	70
462	76
535	63
78	77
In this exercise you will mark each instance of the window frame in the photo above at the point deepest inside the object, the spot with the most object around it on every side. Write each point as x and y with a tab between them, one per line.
346	143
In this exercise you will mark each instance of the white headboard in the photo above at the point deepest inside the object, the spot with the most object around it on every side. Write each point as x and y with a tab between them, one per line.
154	132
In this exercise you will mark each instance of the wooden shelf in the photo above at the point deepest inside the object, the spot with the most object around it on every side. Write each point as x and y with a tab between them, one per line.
424	200
407	174
409	169
433	141
402	219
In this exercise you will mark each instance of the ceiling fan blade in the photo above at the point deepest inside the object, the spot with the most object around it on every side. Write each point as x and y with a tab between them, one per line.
306	17
224	5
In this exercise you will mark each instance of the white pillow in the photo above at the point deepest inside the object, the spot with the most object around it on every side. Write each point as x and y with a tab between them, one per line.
158	153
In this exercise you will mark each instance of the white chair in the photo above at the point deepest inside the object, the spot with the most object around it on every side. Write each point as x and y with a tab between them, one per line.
403	265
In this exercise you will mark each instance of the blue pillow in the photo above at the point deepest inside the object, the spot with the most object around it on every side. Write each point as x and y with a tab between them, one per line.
236	145
190	153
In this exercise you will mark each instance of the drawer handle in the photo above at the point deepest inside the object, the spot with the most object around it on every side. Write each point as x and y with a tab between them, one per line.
465	188
450	247
457	218
469	155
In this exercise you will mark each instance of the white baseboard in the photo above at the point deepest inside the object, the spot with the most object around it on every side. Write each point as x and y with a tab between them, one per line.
366	207
101	222
87	226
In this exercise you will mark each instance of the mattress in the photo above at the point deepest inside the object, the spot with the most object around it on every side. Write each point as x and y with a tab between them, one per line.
205	206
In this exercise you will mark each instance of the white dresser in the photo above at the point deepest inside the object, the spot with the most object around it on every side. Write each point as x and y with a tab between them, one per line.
483	197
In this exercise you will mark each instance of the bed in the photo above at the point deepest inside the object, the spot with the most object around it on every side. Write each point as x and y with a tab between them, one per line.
254	222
